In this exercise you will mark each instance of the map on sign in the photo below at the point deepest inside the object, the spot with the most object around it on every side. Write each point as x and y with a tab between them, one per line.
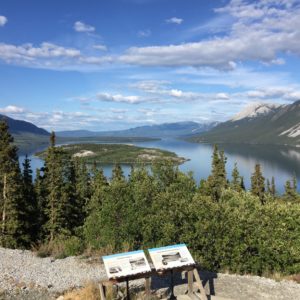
126	264
171	257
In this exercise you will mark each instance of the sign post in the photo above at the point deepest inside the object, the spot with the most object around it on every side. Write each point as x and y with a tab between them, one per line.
123	267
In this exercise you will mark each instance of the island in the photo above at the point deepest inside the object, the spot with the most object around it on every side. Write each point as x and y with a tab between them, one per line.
117	153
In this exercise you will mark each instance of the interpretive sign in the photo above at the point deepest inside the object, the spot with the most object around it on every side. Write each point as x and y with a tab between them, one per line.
171	257
126	264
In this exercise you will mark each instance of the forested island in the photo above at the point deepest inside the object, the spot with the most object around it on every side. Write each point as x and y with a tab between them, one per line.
116	153
68	210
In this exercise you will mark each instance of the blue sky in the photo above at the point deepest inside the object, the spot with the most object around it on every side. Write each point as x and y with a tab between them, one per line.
114	64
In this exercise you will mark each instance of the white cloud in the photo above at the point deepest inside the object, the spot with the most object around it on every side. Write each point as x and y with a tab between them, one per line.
100	47
118	98
12	109
3	20
174	20
274	29
82	27
144	33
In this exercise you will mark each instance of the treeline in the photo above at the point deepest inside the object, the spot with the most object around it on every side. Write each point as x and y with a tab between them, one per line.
69	209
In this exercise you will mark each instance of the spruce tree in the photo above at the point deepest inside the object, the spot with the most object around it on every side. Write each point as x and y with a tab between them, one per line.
82	191
40	194
217	181
291	190
60	190
236	179
12	205
273	187
31	213
258	184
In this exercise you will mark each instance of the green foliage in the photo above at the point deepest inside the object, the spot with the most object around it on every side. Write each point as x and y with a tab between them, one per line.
258	184
217	181
12	203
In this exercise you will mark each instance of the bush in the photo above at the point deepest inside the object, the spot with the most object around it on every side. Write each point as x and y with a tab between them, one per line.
61	247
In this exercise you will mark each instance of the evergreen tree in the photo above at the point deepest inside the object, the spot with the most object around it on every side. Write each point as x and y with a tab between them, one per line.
117	173
273	187
243	184
40	194
60	191
12	205
291	190
31	213
258	184
82	191
236	179
217	180
98	190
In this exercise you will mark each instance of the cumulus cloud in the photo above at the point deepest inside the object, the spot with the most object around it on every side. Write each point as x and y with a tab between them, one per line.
174	20
273	26
49	56
82	27
12	109
3	20
118	98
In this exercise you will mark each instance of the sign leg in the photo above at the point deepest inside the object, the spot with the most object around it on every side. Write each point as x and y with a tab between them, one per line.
172	297
127	289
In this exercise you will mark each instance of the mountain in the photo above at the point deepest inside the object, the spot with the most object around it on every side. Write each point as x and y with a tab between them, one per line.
259	123
162	130
22	127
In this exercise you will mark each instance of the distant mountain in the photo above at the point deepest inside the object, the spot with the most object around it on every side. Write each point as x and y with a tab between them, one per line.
258	124
22	127
178	129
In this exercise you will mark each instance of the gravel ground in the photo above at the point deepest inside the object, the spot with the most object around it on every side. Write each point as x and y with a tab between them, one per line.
25	276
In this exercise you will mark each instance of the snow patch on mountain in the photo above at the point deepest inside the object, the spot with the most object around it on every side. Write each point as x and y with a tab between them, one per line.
293	131
254	110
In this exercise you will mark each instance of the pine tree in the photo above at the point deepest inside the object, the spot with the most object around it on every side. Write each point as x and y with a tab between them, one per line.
217	180
291	190
236	179
40	194
31	212
243	184
273	187
60	191
258	184
12	205
117	173
82	191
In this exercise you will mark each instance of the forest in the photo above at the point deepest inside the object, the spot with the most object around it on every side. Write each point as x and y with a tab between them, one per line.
70	209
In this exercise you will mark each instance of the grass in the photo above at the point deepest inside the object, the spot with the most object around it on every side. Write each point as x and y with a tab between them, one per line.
117	153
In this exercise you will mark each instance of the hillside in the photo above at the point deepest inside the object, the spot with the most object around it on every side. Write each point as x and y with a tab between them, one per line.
19	127
161	130
258	124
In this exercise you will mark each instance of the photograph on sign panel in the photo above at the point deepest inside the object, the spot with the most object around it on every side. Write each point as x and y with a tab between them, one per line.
126	264
171	257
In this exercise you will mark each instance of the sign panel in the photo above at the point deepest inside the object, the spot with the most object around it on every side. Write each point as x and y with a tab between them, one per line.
171	257
126	264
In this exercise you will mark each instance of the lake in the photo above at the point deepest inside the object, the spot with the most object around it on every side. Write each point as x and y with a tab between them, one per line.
282	162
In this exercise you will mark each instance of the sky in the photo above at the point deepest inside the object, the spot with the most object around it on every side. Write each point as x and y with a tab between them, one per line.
116	64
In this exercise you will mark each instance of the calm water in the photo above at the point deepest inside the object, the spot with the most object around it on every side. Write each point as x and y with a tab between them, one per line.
280	161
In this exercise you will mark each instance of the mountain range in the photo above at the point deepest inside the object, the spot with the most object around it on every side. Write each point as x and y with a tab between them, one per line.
178	129
259	123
